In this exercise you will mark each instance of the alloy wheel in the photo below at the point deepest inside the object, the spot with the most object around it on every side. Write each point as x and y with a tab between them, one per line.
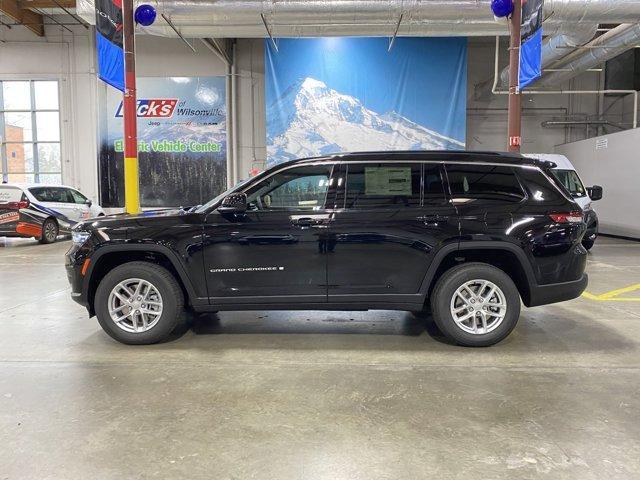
135	305
478	306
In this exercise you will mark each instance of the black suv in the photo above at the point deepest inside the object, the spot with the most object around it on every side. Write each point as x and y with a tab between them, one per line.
467	234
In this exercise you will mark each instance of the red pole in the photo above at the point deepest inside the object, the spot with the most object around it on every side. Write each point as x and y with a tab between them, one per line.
131	187
515	99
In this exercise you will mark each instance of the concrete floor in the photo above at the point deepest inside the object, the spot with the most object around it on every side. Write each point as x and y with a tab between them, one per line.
271	395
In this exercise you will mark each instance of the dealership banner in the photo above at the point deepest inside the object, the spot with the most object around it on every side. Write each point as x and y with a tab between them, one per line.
328	95
109	42
182	142
530	42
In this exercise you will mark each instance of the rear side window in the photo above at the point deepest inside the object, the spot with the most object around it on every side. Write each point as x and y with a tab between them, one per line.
383	185
541	188
10	194
496	184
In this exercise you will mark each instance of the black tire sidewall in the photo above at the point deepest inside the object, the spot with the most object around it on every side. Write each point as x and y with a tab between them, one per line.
172	302
43	237
451	281
588	244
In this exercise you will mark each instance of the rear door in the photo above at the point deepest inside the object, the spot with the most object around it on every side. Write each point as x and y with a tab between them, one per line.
391	220
11	200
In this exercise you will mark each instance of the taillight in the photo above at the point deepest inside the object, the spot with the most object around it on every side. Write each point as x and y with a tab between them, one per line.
18	205
571	217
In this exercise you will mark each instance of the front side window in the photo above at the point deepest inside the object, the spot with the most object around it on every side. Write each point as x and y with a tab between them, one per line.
78	197
30	131
495	184
383	185
298	188
570	180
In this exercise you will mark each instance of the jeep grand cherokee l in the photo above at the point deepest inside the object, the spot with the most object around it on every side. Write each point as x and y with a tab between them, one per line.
467	234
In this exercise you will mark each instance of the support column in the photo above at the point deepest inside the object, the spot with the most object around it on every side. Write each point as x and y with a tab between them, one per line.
131	182
514	139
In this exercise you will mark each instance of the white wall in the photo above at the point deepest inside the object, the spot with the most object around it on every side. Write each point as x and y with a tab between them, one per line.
616	167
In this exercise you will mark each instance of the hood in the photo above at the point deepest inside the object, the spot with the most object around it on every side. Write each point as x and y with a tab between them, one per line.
146	218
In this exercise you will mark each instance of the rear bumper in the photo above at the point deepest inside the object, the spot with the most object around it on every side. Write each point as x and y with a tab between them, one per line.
557	292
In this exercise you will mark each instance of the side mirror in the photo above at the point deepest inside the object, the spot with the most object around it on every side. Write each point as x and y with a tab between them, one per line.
595	192
234	203
88	203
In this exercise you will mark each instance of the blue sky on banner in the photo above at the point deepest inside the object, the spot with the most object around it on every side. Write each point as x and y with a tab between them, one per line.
422	79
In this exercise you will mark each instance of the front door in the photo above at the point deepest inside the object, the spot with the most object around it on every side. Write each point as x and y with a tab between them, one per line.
395	216
273	253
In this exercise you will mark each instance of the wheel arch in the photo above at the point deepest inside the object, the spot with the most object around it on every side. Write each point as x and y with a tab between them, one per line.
112	256
507	257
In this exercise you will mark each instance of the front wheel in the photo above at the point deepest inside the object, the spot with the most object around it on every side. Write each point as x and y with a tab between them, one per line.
139	303
475	304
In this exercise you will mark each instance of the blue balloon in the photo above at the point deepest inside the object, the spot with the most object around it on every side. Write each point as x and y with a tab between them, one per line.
502	8
145	15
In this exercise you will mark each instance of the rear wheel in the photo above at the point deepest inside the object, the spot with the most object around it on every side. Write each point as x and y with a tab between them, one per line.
49	231
588	243
139	303
475	304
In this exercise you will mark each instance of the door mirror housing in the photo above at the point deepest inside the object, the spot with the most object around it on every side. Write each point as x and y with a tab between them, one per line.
595	192
88	202
234	203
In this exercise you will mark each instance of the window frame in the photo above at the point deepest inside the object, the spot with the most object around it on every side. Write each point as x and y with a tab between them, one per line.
36	171
513	168
330	189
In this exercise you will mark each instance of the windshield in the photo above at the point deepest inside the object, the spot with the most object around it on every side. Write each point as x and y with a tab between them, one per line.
217	199
571	182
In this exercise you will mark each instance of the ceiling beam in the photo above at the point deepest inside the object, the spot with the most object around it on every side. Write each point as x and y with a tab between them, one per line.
33	21
47	3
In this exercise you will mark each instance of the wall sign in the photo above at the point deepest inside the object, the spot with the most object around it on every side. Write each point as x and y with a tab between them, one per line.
182	140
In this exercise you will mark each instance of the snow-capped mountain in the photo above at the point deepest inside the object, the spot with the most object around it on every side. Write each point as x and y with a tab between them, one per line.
311	119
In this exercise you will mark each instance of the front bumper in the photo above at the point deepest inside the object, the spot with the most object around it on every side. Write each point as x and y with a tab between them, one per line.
557	292
73	262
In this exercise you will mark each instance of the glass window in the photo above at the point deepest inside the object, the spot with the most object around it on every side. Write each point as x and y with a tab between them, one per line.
433	185
383	185
496	184
30	132
300	188
46	94
18	127
17	96
78	197
570	180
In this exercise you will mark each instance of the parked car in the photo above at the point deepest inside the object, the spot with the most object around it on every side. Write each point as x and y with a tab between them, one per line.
567	175
42	211
468	234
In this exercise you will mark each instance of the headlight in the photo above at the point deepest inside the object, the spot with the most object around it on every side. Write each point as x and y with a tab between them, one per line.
80	237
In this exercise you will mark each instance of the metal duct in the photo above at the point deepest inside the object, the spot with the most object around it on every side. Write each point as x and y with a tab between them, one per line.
306	18
603	48
558	46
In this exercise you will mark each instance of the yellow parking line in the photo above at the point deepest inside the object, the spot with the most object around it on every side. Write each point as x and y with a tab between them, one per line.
613	295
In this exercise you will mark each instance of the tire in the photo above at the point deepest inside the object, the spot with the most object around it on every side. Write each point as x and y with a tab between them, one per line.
160	326
50	231
588	244
443	303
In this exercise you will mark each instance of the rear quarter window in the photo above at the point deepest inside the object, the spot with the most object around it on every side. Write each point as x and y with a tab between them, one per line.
490	183
10	194
542	188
